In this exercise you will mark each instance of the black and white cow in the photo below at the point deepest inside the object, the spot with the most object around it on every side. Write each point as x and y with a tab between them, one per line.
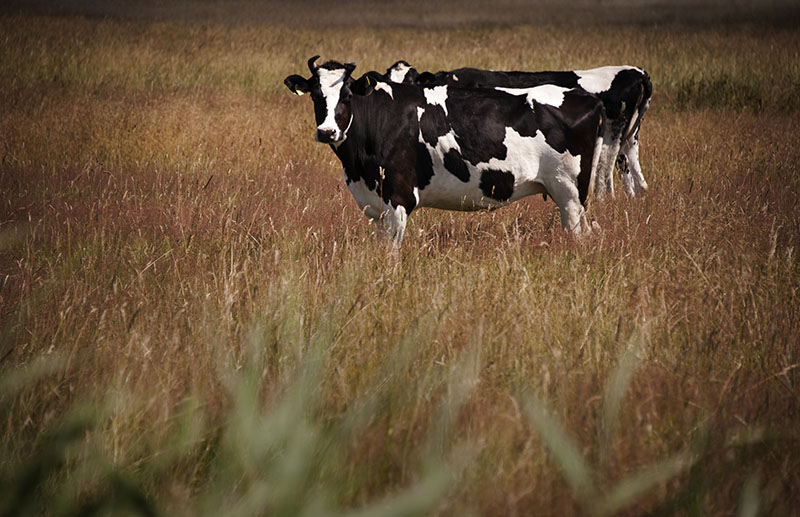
624	90
409	146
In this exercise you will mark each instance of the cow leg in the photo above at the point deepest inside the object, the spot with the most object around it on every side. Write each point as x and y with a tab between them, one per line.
565	195
631	151
391	224
625	174
604	184
389	220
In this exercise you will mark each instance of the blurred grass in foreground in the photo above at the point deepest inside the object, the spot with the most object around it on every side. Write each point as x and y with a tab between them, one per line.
283	458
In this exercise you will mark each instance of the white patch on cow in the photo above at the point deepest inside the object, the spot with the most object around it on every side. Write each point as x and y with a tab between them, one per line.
389	221
455	77
447	142
331	82
436	95
549	94
386	88
596	80
398	73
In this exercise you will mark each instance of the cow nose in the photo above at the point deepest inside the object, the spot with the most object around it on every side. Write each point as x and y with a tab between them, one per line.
326	135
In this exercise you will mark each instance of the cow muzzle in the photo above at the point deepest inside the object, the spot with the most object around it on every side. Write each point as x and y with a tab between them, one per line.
327	136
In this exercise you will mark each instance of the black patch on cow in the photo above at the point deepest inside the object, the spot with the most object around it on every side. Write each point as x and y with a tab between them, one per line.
423	165
583	123
455	165
476	78
479	122
551	122
524	124
622	164
433	124
497	184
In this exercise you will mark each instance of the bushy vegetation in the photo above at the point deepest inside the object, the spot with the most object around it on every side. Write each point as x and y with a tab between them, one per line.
196	319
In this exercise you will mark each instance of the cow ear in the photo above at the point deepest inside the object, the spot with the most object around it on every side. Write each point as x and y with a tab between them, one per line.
365	85
297	84
350	67
426	78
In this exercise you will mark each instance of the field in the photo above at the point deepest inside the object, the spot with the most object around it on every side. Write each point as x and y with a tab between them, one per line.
196	319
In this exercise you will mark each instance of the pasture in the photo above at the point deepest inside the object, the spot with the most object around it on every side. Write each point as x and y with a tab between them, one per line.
196	319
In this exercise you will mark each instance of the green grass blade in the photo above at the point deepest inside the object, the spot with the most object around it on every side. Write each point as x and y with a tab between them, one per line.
13	380
750	501
565	452
616	389
634	486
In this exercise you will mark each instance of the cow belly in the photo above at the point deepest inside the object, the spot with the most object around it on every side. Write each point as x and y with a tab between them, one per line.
470	197
369	202
530	163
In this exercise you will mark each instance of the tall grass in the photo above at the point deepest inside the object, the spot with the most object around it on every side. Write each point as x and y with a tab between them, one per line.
197	319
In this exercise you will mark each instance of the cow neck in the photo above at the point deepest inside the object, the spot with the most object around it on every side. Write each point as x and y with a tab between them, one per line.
346	150
354	152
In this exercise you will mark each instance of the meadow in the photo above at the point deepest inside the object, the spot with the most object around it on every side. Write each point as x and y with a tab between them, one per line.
195	318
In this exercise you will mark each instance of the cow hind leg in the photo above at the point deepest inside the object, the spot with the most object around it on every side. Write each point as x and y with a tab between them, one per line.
604	183
631	152
565	195
625	174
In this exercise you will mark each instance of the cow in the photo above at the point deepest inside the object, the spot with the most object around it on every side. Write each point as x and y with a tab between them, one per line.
624	90
405	146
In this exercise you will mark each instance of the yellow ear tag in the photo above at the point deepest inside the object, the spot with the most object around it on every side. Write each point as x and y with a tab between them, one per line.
299	93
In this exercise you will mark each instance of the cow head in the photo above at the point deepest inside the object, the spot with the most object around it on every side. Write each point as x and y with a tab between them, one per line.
331	88
401	72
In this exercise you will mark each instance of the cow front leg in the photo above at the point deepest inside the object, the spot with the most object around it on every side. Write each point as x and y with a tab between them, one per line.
391	224
389	218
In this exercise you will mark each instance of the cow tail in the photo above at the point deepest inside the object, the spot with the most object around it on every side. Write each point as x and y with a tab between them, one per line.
641	106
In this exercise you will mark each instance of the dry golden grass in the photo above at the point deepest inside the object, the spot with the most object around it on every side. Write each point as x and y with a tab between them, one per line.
191	265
